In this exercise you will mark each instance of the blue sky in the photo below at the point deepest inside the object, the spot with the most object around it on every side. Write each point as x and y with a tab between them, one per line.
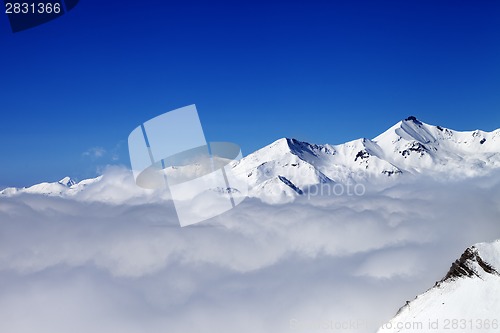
325	72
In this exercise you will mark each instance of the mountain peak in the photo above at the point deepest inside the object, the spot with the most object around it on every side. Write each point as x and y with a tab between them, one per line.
472	280
470	264
413	119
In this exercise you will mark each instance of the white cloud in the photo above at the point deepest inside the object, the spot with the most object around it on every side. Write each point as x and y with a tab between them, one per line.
95	152
114	259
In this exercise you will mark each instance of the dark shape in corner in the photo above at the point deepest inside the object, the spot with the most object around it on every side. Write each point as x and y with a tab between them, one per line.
70	4
37	13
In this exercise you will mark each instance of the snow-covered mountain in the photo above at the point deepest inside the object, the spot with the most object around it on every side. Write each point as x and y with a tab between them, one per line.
288	168
65	187
467	299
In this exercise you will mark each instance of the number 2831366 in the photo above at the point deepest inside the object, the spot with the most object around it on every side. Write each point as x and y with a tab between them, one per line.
32	8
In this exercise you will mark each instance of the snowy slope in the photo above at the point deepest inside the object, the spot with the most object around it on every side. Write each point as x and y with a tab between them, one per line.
417	147
65	187
410	147
467	299
288	168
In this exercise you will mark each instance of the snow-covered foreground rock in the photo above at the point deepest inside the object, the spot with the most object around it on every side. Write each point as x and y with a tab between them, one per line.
467	299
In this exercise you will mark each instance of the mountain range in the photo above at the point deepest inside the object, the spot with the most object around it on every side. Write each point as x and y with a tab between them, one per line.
410	147
288	168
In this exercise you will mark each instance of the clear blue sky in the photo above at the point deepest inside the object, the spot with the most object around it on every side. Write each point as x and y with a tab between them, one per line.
320	71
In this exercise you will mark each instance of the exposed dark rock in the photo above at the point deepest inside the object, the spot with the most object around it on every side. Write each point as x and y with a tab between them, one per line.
291	185
486	267
299	147
391	172
465	266
225	190
416	147
362	154
462	267
414	119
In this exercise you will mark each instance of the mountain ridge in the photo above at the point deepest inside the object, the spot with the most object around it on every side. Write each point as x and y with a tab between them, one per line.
288	168
468	293
409	147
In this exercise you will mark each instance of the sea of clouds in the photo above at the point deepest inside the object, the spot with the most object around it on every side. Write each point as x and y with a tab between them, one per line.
114	259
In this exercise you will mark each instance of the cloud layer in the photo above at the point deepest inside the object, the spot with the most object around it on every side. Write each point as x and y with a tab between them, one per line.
114	259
